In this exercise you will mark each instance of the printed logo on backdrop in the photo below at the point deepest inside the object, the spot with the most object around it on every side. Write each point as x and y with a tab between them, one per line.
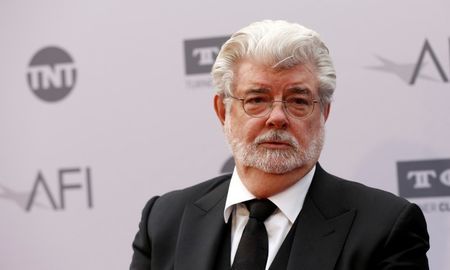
426	65
51	74
199	55
426	179
58	190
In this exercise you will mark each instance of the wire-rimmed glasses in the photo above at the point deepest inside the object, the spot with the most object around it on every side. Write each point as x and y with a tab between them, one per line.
298	106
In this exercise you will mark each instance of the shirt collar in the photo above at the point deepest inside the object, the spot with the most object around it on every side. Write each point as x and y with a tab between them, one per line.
238	193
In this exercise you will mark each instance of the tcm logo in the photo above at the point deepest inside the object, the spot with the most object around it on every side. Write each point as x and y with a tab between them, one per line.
410	72
200	54
51	74
430	178
69	186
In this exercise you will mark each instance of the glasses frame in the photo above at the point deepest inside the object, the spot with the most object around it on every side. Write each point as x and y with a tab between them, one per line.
286	111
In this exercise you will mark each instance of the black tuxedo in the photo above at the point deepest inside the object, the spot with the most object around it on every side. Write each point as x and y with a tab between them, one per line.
343	225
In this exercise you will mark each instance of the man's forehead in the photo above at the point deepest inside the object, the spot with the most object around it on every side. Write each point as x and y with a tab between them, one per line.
270	65
261	89
251	76
253	66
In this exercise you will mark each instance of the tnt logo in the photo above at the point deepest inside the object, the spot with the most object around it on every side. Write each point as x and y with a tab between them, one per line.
429	178
200	54
51	74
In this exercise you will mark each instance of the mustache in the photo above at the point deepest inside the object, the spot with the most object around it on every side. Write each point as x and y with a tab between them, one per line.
280	136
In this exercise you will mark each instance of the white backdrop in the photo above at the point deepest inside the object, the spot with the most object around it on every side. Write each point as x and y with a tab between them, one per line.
75	173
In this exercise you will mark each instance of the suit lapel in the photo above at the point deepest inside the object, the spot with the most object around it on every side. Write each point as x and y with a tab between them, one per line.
201	231
322	227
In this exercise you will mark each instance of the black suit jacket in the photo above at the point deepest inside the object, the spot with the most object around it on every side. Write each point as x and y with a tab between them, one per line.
343	225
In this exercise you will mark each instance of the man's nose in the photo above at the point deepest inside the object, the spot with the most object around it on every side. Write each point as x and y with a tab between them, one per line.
277	117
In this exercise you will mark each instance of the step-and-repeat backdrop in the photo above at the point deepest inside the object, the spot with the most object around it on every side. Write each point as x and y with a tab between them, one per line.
104	104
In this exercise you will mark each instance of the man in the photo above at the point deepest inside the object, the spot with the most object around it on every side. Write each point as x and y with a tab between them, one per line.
275	82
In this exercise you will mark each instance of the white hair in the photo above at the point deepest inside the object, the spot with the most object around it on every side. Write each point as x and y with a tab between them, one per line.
280	45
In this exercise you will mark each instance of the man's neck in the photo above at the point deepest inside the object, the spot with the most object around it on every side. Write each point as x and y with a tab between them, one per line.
264	185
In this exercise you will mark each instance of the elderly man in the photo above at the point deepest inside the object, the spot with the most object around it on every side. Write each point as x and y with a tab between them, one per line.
279	209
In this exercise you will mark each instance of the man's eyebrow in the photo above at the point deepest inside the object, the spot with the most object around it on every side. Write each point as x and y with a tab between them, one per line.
299	90
259	90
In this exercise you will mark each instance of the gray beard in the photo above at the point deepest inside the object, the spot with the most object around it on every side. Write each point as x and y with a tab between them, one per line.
275	161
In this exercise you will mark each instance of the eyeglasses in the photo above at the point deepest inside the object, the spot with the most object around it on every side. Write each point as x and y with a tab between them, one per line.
297	105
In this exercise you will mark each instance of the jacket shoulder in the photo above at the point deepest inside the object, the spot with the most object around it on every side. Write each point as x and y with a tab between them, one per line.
168	208
355	195
387	230
191	194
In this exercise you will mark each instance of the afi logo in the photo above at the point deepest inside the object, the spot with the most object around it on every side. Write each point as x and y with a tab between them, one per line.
428	50
68	179
200	54
410	72
68	186
51	74
427	178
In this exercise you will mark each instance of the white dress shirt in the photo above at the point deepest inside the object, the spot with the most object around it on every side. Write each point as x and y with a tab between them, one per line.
289	204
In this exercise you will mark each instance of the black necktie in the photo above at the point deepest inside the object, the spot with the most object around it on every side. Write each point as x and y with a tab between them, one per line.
254	245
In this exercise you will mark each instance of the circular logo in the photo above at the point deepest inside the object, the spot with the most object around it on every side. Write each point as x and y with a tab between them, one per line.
51	74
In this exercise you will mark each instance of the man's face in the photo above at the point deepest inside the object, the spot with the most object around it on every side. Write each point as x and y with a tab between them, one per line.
276	143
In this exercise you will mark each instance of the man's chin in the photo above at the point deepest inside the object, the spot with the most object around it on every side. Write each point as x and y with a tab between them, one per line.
278	167
275	147
277	171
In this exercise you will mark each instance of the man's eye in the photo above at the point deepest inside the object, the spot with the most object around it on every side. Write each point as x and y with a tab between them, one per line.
298	101
256	100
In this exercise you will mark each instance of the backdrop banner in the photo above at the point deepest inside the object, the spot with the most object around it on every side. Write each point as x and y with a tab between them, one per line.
104	104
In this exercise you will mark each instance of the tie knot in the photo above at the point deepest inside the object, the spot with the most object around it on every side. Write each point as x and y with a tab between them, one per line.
260	209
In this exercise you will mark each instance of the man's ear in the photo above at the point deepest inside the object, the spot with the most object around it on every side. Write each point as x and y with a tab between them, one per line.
219	107
326	111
